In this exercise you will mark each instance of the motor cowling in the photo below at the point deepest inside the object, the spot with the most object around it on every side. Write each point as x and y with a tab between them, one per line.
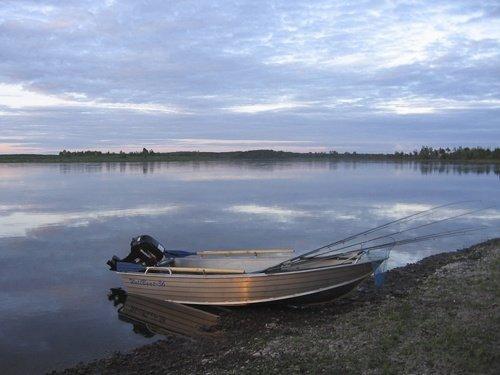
144	250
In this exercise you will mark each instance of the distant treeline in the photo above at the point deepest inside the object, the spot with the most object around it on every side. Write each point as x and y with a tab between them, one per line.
424	154
459	153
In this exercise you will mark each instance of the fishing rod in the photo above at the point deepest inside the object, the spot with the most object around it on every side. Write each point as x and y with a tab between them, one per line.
380	227
432	236
380	246
399	232
427	237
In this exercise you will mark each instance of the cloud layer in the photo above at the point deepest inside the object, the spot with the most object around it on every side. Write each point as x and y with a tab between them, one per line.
369	75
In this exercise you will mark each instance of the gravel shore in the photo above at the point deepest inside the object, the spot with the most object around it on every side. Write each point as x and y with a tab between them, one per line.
440	315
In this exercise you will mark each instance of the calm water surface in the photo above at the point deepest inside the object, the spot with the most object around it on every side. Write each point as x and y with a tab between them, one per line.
59	223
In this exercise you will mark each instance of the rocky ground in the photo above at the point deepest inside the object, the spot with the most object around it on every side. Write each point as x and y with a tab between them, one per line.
440	315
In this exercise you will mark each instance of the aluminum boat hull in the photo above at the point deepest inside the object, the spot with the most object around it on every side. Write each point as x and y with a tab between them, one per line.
244	289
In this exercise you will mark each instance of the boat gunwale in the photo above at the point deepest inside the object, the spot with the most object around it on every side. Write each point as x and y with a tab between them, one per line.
244	275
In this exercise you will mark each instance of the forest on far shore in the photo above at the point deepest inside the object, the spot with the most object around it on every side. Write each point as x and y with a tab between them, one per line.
424	154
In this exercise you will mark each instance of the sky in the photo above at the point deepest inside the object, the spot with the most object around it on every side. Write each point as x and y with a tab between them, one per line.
369	76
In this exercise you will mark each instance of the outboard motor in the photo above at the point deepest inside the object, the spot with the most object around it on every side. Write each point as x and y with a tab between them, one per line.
144	251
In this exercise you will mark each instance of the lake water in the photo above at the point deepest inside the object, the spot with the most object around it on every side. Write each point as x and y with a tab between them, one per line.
59	223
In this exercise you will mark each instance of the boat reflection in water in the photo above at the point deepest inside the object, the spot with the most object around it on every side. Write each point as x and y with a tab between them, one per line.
152	316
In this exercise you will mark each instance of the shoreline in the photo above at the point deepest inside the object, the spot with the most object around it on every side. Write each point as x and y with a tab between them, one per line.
437	315
194	160
493	164
251	155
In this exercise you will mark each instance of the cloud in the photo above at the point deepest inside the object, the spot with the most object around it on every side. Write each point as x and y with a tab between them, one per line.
411	106
339	215
16	97
399	210
73	73
285	214
20	222
271	212
252	142
265	107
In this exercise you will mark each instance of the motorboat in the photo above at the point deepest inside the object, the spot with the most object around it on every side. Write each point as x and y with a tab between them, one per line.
237	277
251	276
